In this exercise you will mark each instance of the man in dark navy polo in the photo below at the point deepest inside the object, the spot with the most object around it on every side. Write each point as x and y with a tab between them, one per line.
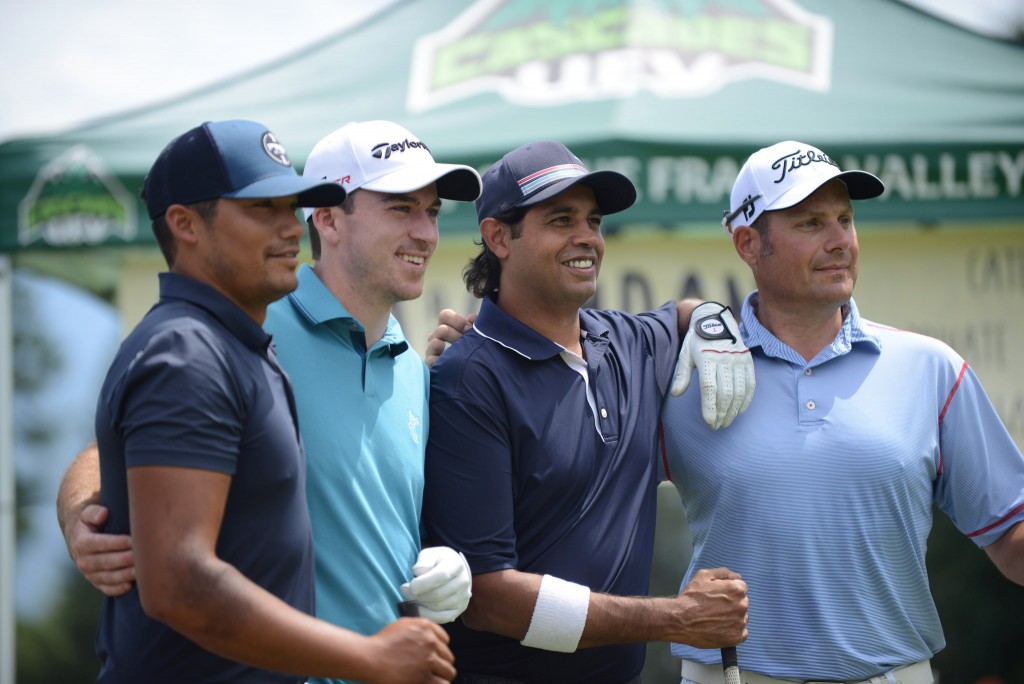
542	460
201	460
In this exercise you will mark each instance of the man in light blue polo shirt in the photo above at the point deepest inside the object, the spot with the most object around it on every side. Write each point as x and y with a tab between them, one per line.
821	494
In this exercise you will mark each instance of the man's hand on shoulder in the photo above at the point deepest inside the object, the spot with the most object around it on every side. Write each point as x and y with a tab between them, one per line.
450	327
714	347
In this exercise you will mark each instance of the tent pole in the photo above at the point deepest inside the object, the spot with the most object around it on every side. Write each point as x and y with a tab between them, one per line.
7	491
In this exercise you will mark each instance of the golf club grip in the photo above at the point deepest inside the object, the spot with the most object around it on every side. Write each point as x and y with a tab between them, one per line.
730	665
408	609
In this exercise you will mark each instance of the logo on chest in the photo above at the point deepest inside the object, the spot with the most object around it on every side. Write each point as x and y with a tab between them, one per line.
414	427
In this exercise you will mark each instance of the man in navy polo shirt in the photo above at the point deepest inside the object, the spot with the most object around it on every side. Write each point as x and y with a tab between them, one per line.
201	460
542	459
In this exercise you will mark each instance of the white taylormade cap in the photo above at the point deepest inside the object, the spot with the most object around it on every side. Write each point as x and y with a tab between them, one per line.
385	157
784	175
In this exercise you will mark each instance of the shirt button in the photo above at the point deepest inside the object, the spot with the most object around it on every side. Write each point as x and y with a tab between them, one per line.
604	413
808	371
810	405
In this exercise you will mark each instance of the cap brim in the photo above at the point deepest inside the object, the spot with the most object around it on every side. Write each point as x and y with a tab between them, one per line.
860	185
613	191
308	192
454	181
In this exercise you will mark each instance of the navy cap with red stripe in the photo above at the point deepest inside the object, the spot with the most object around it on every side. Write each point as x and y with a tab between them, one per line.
538	171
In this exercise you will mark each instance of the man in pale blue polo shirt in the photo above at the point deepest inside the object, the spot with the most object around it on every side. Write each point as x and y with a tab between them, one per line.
821	494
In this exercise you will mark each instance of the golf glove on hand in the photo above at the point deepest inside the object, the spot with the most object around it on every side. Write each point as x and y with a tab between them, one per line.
714	347
441	584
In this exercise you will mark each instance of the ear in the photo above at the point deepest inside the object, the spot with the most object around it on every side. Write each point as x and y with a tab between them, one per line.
747	242
496	235
183	224
327	224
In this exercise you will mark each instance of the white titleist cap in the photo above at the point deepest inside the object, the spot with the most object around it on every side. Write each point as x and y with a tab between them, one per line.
784	175
385	157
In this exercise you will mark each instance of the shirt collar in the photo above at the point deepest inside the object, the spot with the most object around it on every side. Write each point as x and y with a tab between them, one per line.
499	327
853	331
239	323
318	305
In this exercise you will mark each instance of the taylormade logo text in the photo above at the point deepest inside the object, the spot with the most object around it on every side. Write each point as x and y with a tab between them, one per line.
384	150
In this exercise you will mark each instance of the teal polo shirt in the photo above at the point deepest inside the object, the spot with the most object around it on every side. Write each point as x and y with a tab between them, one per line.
363	419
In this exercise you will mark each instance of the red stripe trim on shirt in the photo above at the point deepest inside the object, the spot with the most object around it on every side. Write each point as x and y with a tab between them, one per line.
956	386
949	400
999	522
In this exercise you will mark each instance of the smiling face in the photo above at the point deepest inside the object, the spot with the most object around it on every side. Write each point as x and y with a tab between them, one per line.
554	263
248	251
385	244
809	260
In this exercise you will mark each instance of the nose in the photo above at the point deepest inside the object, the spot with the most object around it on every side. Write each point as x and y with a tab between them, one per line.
291	227
424	229
586	233
840	235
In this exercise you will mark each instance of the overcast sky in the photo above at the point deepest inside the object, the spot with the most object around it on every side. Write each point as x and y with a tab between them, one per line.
67	61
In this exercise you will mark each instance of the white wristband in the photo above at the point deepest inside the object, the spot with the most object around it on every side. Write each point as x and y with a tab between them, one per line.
559	616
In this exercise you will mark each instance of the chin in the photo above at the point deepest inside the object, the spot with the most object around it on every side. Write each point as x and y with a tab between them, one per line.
409	293
283	287
580	298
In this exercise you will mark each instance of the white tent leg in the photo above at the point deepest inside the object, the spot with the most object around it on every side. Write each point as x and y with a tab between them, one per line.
7	502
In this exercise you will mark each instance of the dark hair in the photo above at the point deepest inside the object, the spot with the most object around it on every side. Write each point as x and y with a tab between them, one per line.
207	209
348	206
482	272
762	224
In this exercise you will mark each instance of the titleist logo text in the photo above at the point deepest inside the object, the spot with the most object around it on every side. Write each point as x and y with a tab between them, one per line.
792	162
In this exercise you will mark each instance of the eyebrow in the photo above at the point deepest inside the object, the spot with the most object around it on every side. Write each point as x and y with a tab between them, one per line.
571	209
848	209
408	199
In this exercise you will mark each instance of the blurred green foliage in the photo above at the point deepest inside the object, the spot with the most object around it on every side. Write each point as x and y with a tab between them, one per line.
59	647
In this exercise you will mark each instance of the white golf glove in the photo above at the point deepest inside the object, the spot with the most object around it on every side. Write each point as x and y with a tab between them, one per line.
713	345
442	584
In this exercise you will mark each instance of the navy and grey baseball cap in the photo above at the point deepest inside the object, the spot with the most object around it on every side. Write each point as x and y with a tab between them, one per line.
538	171
235	159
